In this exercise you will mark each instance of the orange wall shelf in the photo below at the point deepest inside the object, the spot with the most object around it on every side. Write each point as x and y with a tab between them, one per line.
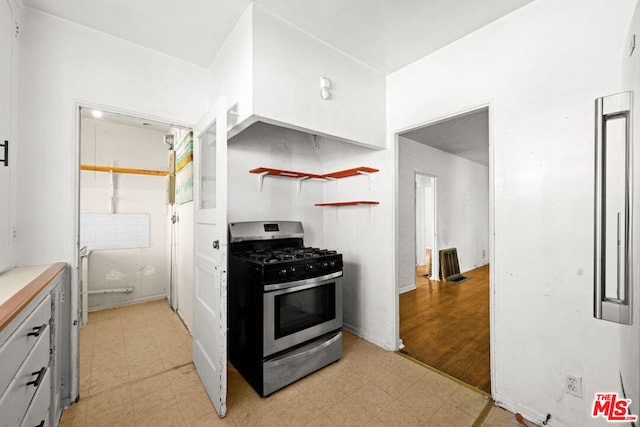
360	202
285	173
362	170
302	176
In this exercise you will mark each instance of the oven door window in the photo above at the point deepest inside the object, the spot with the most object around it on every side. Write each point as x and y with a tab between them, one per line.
300	310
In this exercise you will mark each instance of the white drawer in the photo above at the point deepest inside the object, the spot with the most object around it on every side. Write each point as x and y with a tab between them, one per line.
17	397
22	340
38	412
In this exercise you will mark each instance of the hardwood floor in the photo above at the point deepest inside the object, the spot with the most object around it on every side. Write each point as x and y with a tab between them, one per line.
446	326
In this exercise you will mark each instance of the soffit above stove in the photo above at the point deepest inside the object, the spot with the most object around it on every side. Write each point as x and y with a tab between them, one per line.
385	34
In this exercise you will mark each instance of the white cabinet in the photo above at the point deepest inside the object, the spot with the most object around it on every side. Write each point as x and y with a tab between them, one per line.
30	378
7	101
14	350
39	408
35	353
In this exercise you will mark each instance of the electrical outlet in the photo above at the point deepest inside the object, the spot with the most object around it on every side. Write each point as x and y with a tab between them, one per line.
14	234
573	385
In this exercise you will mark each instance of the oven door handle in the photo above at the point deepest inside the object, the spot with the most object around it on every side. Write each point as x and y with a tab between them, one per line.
313	280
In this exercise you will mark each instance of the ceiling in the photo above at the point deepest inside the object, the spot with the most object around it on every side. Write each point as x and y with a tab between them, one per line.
123	119
466	136
385	34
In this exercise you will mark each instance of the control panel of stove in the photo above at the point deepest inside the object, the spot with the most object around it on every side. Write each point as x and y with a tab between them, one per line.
287	271
314	267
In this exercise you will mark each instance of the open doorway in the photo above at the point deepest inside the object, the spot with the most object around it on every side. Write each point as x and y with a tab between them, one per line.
129	235
427	265
446	324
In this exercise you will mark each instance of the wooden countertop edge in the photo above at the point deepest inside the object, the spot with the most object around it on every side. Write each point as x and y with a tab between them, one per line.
14	305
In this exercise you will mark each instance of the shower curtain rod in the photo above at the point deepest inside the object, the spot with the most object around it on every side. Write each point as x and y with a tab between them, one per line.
114	169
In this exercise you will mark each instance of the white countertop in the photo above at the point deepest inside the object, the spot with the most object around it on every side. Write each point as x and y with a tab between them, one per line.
17	278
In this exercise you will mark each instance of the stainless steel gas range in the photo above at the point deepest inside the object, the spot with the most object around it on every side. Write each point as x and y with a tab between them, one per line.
285	304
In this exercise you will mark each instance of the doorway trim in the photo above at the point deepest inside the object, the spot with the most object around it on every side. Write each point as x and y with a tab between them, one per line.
492	258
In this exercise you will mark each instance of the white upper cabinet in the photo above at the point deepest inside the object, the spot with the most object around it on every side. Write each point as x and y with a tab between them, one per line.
271	71
302	81
7	93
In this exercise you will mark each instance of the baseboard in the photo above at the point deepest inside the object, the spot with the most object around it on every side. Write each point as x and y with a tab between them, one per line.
528	413
406	288
179	312
473	267
366	337
128	302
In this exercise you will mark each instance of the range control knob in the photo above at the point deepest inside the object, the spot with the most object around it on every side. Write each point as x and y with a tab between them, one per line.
332	264
310	267
324	265
282	272
291	270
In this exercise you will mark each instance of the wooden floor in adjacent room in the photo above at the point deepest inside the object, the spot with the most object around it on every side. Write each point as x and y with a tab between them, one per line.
446	326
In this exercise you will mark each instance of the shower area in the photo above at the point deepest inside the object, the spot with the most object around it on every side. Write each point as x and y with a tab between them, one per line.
128	238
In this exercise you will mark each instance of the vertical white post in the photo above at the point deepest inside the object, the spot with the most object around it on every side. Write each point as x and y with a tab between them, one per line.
111	191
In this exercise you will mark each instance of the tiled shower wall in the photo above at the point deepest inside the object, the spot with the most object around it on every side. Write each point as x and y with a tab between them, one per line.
114	231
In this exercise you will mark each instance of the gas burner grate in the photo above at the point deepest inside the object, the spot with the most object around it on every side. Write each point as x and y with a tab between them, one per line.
286	254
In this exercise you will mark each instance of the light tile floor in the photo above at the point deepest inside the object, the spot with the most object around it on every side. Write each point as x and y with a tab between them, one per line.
136	370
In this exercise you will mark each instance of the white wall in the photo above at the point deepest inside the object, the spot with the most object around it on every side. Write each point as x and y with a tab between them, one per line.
146	270
263	145
630	337
231	72
363	234
8	130
462	207
62	63
541	69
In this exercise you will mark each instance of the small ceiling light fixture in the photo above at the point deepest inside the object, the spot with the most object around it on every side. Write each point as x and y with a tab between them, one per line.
96	114
325	85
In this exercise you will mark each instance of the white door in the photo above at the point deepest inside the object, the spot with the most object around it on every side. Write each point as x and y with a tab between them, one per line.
210	254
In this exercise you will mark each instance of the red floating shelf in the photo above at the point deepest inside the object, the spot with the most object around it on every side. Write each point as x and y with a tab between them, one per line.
302	176
335	175
350	172
360	202
285	173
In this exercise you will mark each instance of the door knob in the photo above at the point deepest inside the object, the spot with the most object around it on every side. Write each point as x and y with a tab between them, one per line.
216	244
